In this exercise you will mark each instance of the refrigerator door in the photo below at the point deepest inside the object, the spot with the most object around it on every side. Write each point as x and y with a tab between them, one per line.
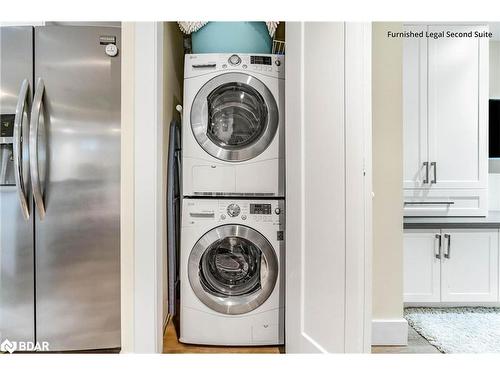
17	309
75	130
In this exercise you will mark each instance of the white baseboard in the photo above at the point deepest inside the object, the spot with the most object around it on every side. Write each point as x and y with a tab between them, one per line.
393	332
451	304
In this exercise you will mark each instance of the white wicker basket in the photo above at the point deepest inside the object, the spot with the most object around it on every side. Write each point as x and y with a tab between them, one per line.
278	47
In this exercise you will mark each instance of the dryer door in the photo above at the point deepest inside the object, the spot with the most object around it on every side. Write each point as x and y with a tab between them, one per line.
233	269
234	117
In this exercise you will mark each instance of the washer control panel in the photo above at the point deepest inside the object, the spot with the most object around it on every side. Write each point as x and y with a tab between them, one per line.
244	211
251	211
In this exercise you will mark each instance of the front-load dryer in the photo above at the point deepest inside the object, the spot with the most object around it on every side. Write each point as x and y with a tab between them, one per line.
233	125
231	272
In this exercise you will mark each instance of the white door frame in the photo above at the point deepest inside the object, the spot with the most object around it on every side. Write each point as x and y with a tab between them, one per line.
142	190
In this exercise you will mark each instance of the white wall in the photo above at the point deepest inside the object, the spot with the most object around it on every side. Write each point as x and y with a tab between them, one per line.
494	190
389	326
495	69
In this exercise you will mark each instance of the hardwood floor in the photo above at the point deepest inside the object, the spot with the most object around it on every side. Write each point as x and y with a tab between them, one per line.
172	345
416	344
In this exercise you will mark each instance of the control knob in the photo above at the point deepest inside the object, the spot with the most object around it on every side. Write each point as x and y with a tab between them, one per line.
233	210
234	60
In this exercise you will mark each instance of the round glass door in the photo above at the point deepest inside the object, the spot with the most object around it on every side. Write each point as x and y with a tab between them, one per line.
233	269
234	117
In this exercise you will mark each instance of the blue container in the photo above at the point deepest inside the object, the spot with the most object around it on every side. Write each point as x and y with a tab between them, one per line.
232	37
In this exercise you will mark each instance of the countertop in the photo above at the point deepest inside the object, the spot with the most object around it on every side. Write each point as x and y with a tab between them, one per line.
490	221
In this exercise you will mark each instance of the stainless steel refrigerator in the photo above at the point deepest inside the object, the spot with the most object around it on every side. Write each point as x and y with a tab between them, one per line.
60	186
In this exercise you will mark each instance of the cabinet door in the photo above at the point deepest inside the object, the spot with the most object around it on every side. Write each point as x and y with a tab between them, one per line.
457	108
415	150
421	265
469	268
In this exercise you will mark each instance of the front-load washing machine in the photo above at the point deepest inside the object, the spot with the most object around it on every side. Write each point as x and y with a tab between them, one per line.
231	272
233	125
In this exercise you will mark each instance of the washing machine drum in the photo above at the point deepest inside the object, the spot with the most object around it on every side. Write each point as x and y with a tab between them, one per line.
234	117
233	269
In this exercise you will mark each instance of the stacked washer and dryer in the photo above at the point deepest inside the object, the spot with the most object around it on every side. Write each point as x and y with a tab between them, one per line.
233	184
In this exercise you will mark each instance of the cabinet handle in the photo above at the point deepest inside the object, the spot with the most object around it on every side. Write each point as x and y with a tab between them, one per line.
434	165
448	253
408	203
426	165
438	255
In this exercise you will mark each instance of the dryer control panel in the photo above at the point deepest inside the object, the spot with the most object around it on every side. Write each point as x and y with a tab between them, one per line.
200	64
233	211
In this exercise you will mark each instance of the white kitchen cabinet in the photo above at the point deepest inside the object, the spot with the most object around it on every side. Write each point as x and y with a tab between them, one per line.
422	267
457	109
445	116
451	265
469	266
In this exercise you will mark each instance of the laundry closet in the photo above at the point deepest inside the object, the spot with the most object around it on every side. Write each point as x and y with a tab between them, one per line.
269	248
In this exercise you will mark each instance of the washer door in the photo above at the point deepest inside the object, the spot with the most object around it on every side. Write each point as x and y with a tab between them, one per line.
233	269
234	117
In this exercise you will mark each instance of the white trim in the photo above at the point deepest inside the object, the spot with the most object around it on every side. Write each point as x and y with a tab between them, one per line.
357	90
42	23
391	332
149	229
294	115
161	198
368	188
452	304
127	190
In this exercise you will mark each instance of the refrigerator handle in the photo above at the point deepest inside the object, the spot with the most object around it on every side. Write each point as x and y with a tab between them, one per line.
36	112
21	154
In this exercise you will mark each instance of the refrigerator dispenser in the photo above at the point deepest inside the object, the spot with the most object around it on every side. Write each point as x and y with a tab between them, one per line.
7	150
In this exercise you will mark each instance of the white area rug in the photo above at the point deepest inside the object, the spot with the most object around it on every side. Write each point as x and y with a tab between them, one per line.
458	329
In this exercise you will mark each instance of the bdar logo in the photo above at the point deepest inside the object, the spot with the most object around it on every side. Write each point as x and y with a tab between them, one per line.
8	346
